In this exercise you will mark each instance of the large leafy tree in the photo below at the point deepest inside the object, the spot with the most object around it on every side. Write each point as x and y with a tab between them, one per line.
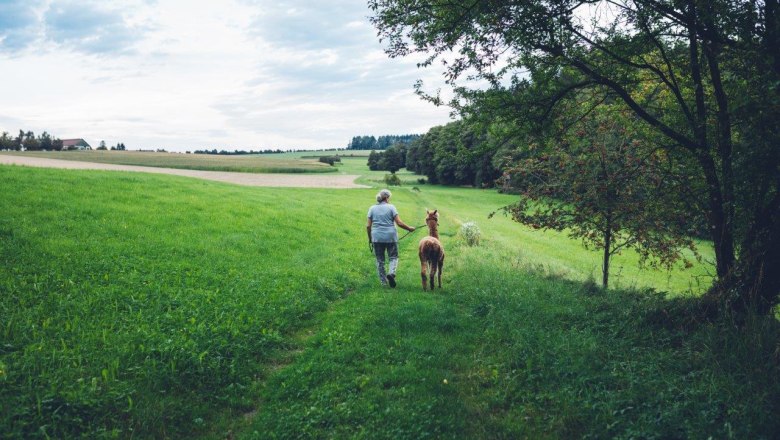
705	75
605	184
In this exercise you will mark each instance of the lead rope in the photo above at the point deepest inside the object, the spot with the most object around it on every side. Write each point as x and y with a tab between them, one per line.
409	232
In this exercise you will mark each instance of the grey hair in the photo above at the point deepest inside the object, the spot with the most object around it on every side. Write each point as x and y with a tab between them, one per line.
383	195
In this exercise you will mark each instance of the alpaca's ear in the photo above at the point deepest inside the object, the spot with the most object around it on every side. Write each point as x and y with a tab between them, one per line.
436	212
426	211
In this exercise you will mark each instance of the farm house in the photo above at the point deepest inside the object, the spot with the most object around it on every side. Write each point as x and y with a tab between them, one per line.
75	144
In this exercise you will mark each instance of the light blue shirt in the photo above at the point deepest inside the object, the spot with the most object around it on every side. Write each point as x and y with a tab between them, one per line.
382	217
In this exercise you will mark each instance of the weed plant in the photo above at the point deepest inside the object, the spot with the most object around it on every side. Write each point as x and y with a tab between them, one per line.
470	233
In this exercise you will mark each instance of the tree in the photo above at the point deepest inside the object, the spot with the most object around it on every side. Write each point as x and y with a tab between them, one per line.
394	158
7	142
605	185
45	141
682	67
102	146
19	140
30	143
373	160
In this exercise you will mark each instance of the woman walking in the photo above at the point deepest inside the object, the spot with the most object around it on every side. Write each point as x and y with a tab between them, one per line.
383	237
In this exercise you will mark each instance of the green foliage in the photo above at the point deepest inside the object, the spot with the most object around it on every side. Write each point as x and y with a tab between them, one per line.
380	143
458	153
7	142
392	159
392	180
703	76
605	184
28	140
330	160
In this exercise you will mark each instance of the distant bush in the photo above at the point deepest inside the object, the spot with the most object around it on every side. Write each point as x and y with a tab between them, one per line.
330	160
422	181
392	180
470	233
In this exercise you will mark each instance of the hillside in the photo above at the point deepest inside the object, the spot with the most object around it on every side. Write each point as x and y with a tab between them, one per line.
153	306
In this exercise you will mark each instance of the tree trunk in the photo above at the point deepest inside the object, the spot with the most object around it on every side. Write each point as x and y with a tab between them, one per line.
754	282
720	226
605	263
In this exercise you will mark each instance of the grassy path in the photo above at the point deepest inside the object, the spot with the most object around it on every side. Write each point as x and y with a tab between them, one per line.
382	365
502	354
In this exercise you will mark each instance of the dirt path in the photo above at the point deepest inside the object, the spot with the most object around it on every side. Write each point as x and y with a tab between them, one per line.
248	179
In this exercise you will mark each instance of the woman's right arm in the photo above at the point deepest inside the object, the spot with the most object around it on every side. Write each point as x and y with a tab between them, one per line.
402	224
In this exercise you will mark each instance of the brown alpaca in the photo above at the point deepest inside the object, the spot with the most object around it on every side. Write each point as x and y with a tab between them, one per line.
431	250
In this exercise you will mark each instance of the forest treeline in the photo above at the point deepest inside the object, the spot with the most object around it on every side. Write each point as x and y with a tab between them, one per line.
381	142
26	140
458	153
240	152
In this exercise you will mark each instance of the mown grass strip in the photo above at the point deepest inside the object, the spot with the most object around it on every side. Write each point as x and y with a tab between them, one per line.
508	353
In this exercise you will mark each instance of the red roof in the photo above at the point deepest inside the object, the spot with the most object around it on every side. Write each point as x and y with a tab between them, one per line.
74	142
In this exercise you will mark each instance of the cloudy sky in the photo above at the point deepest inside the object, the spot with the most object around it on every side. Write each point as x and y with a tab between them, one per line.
190	74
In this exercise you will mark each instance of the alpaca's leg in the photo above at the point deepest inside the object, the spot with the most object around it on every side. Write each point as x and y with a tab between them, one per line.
441	266
422	273
433	273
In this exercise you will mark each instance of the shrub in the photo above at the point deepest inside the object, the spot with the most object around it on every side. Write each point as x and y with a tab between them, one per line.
392	180
330	160
422	181
470	233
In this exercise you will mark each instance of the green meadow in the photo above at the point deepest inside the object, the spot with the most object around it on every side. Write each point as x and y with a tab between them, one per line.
152	306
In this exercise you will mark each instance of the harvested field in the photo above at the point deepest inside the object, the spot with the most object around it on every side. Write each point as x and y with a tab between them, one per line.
254	163
300	180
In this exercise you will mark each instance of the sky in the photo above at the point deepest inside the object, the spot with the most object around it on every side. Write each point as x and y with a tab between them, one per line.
192	74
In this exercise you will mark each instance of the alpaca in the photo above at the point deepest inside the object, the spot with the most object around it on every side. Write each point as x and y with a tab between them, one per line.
431	250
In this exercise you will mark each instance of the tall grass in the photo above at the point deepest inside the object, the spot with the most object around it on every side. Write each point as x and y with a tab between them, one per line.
135	304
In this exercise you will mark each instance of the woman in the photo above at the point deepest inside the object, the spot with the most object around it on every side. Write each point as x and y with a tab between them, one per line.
382	235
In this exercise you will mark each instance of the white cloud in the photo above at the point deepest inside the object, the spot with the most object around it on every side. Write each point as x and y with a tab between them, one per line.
181	74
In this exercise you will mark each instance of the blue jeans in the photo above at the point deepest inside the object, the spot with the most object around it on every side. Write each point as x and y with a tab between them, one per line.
392	253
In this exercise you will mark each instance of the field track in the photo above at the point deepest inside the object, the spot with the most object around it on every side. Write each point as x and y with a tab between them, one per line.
249	179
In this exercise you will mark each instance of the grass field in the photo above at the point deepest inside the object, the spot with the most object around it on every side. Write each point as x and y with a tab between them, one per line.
267	163
149	306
